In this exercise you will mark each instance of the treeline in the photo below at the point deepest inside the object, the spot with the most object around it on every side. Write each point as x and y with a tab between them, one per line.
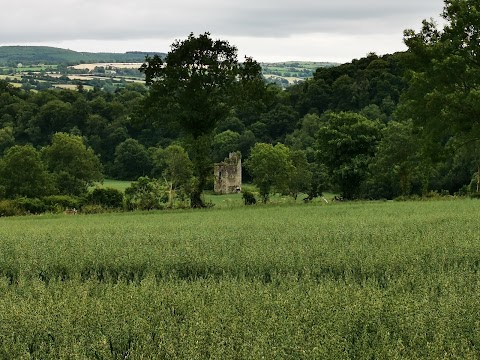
365	129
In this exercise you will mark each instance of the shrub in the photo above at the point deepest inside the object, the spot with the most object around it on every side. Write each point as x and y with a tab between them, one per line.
93	209
58	203
30	205
9	208
107	197
145	194
248	198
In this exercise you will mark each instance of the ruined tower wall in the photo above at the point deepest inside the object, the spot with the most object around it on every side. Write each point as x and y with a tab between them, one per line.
228	175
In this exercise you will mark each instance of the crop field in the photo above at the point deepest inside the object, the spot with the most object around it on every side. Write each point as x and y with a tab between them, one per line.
10	77
116	65
72	86
338	281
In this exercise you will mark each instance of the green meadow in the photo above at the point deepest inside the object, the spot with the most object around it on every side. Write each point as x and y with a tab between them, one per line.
378	280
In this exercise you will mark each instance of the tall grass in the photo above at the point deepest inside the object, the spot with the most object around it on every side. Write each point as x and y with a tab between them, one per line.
374	280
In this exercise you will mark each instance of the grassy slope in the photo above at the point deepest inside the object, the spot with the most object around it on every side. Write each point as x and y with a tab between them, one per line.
353	280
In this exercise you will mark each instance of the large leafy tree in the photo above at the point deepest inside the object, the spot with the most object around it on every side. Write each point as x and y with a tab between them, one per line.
131	160
22	173
225	143
397	165
346	142
444	94
194	88
300	179
271	168
74	165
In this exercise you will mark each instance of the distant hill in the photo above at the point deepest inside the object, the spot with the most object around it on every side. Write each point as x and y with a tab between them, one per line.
291	72
27	55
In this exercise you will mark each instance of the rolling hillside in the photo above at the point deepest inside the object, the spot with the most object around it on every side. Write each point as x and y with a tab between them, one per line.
39	67
27	55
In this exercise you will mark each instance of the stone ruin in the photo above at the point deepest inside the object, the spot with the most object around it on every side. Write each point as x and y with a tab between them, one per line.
228	174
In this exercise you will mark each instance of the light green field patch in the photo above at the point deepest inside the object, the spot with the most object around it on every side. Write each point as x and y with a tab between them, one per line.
350	280
11	77
116	184
72	86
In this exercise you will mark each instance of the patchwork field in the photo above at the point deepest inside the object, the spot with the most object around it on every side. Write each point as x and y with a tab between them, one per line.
338	281
111	64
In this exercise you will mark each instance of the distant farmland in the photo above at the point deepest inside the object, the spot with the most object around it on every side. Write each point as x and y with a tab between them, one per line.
92	66
291	72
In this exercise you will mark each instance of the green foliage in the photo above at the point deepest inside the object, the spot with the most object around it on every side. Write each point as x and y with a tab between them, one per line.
397	164
353	86
106	197
201	99
176	169
224	143
8	207
52	55
145	194
304	137
248	197
196	85
300	177
270	167
346	144
74	165
27	205
93	209
444	90
59	203
30	205
131	160
7	139
320	180
278	122
22	173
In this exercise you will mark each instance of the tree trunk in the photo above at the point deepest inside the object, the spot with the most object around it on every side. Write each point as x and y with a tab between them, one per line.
478	177
170	195
202	164
196	200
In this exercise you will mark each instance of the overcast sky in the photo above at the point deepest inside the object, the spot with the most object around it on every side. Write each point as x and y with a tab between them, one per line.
267	30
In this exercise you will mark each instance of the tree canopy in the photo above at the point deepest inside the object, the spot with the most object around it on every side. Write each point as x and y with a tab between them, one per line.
196	85
346	144
444	92
22	173
74	165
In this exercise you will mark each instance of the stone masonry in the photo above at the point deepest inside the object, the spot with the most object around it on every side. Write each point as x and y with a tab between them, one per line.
228	174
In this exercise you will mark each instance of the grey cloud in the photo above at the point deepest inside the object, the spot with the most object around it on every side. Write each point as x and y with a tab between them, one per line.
106	19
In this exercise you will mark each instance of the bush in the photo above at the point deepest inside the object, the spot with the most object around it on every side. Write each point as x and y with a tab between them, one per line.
475	195
9	208
30	205
58	203
145	194
93	209
106	197
248	198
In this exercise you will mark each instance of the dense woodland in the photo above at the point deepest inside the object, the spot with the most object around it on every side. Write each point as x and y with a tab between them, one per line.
379	127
